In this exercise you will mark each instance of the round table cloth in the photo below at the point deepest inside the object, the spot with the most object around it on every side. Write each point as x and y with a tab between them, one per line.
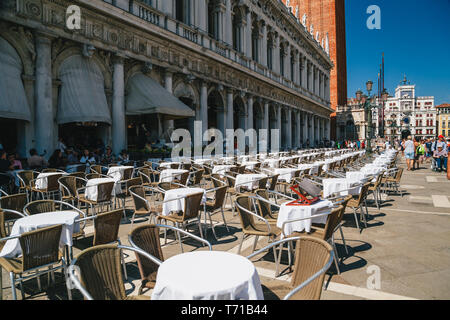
168	175
298	212
41	180
117	172
202	161
250	165
178	205
248	180
91	191
272	163
207	275
331	186
12	248
222	168
285	174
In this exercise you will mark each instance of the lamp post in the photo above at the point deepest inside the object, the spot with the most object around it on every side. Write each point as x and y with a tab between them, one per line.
369	104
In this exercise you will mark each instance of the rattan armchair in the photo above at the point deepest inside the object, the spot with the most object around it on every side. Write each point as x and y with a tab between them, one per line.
104	196
357	202
100	271
25	177
147	238
142	206
68	187
41	255
216	205
313	258
14	202
52	185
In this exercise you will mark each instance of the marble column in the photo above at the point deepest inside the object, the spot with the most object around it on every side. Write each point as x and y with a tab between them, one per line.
311	131
248	35
168	125
276	52
119	132
204	105
44	120
228	26
266	116
287	62
304	73
250	120
299	130
296	69
264	45
328	130
305	127
317	82
279	124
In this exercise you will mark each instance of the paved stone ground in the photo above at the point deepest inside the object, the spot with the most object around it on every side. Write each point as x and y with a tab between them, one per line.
407	240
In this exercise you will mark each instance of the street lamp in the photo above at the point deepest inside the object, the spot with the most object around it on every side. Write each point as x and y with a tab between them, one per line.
369	104
384	98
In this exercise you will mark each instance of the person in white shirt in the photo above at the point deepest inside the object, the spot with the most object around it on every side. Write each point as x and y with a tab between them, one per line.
87	158
61	146
410	151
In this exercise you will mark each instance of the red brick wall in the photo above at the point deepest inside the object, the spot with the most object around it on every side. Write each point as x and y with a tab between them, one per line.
328	16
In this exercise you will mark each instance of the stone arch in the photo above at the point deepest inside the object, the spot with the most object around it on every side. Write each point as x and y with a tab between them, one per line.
19	44
187	90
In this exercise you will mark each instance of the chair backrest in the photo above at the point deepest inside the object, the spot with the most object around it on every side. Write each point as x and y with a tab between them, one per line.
363	193
198	176
133	182
148	175
311	255
399	174
219	197
184	177
192	204
49	170
52	182
241	169
186	166
106	227
127	173
138	192
71	184
262	183
217	180
273	182
174	166
230	182
332	222
26	176
14	202
40	206
101	272
167	186
264	208
40	247
247	220
96	168
147	238
104	191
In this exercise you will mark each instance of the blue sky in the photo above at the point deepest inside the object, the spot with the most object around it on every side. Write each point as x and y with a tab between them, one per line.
414	37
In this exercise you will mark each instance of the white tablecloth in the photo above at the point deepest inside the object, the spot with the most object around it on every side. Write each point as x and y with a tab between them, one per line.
117	172
91	192
250	165
248	180
285	174
331	186
207	275
298	212
178	205
202	161
168	165
12	247
272	163
222	168
41	182
168	175
372	170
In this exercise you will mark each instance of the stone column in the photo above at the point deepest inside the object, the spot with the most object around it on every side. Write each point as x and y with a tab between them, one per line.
44	120
228	26
264	45
229	109
328	130
168	124
304	68
312	139
311	77
119	132
317	82
248	35
204	105
305	126
287	63
201	12
266	124
276	52
296	69
299	130
279	123
250	120
289	128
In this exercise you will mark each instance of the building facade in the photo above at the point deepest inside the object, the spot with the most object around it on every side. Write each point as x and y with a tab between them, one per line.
443	119
325	20
154	66
351	121
408	114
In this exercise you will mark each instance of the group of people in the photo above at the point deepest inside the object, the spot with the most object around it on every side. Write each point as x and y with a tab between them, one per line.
355	145
420	151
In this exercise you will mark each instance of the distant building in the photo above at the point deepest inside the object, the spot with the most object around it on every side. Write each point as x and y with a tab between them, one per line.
407	114
443	119
351	121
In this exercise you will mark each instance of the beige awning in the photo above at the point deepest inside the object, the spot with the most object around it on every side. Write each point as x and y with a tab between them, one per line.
82	97
147	96
13	100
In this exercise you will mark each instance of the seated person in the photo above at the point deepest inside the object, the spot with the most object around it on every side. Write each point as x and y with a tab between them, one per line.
17	164
5	164
123	156
56	160
441	157
108	157
72	156
87	157
35	161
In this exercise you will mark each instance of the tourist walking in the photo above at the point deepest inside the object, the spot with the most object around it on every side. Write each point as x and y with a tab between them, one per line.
409	153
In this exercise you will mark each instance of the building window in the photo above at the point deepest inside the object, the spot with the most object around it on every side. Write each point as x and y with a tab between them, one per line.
269	54
282	54
237	29
255	41
183	11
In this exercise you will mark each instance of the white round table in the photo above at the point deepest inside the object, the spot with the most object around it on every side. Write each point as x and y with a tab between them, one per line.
91	191
250	181
207	275
178	205
168	175
298	212
12	247
41	180
331	186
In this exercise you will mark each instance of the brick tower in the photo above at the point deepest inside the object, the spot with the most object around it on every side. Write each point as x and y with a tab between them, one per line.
328	17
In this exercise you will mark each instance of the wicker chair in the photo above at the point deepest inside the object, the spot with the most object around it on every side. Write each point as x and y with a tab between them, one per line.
191	213
6	216
249	225
128	184
68	187
40	250
213	206
141	205
104	196
198	176
100	271
147	238
52	185
374	187
25	177
14	202
183	179
106	231
393	183
357	202
164	186
273	182
149	177
79	174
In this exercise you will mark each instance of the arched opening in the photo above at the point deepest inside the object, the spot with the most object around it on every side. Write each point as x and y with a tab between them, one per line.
14	108
186	123
284	128
215	111
255	40
282	55
237	29
272	124
350	130
239	115
270	51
